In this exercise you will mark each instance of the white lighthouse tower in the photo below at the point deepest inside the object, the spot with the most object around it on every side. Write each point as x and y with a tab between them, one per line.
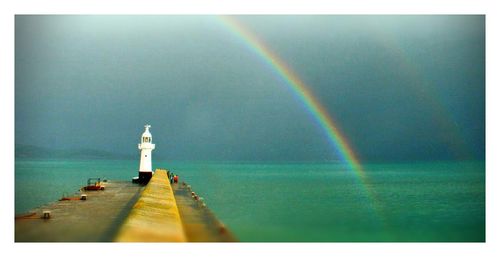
146	146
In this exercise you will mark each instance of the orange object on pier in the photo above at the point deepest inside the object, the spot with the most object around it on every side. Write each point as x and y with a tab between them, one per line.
93	184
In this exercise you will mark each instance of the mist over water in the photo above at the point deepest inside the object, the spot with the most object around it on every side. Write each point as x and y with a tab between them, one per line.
398	87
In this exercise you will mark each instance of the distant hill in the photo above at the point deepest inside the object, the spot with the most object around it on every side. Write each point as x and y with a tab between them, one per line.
36	152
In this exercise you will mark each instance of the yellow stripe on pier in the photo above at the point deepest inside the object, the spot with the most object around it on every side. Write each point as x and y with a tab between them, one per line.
155	217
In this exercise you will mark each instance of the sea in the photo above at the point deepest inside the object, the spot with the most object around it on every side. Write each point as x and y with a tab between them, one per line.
301	202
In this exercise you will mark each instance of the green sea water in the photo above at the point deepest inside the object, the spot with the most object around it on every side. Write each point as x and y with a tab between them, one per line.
301	202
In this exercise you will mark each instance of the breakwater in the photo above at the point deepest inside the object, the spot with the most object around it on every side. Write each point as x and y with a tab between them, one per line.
125	212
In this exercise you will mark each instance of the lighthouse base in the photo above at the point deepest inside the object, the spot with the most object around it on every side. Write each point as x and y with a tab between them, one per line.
144	177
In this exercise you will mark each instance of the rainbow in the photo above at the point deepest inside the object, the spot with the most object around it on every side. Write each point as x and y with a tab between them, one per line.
300	90
426	90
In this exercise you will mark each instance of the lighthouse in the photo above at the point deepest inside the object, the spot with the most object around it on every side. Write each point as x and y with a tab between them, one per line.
146	146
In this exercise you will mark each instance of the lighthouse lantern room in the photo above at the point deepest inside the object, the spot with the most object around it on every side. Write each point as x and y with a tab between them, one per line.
146	146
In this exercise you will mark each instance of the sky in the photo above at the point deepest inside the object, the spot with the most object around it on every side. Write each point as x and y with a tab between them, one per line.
398	87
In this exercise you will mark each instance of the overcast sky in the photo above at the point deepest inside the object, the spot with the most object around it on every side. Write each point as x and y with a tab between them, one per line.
399	87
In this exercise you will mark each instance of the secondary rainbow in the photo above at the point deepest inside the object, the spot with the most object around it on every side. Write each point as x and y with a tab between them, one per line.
300	90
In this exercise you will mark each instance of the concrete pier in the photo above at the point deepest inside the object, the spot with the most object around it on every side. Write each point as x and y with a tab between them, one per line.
200	223
95	219
125	212
155	217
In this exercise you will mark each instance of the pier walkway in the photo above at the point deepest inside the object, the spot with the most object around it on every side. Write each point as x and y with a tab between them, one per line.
96	219
126	212
200	223
155	217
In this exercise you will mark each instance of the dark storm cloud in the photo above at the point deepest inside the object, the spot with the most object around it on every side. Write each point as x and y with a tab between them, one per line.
399	87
